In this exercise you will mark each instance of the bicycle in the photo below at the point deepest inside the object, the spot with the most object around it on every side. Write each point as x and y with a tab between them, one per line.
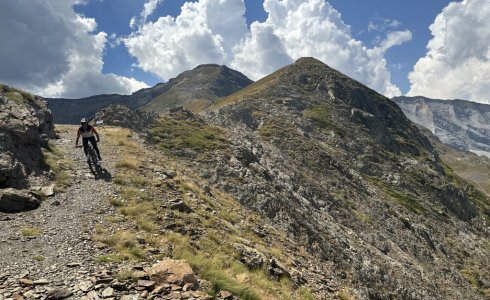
93	161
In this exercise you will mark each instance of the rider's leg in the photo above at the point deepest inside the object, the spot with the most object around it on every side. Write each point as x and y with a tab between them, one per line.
94	143
85	145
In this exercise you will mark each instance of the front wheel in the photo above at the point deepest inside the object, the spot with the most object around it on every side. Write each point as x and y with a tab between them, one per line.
92	165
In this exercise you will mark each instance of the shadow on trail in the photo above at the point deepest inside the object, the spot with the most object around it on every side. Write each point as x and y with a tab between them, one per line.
105	175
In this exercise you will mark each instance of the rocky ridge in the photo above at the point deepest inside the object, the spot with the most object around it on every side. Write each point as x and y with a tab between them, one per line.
348	176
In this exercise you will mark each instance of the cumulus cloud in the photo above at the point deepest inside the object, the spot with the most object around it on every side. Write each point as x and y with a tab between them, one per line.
148	8
457	62
49	50
215	31
204	32
315	28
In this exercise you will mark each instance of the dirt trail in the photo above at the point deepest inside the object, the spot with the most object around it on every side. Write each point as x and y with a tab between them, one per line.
63	253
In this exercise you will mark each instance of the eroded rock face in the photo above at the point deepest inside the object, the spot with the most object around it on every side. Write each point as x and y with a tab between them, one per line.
25	126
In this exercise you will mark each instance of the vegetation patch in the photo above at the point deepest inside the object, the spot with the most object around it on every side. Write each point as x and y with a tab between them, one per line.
170	135
320	115
39	258
124	243
31	231
54	160
16	95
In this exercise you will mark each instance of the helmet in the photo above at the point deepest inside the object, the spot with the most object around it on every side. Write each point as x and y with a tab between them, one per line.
83	121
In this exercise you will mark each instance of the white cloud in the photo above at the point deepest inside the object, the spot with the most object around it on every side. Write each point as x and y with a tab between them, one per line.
49	50
215	31
396	38
148	8
383	24
204	32
314	28
457	62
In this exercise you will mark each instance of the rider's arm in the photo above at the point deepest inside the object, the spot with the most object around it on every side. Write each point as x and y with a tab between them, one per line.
96	134
78	137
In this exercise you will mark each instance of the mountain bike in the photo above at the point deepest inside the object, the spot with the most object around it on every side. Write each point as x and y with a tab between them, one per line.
93	161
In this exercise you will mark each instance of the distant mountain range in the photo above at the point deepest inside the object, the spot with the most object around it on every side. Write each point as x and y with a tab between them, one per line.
462	124
194	90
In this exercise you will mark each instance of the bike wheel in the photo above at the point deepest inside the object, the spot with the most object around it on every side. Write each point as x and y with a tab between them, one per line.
91	166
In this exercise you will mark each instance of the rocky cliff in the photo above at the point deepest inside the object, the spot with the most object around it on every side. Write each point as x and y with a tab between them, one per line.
26	125
462	124
349	177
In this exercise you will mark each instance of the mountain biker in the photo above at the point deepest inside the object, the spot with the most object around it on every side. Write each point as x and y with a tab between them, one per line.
87	132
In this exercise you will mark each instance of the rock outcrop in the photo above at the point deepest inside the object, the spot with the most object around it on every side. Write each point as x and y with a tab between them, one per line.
124	116
25	127
462	124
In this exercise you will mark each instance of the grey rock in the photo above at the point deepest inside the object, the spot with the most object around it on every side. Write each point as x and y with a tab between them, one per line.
13	200
59	293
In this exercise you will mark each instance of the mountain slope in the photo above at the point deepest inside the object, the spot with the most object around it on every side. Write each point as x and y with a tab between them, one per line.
347	176
194	90
459	123
198	88
70	111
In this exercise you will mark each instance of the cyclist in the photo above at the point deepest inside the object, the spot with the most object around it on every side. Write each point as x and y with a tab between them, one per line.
87	132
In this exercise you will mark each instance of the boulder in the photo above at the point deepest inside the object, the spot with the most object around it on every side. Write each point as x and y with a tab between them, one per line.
170	271
12	200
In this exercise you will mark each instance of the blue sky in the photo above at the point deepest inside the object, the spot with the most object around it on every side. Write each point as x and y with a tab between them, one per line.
438	49
357	14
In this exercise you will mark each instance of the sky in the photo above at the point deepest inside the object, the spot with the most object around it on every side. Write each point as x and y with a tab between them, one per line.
77	48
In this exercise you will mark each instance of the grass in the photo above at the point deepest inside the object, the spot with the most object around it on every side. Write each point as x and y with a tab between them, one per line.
124	243
170	134
39	258
397	196
31	231
54	160
320	115
343	295
126	274
16	95
405	200
127	163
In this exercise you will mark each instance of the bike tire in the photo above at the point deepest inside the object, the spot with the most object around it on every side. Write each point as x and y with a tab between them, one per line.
91	166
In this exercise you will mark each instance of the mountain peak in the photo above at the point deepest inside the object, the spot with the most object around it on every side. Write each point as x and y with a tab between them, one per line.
309	61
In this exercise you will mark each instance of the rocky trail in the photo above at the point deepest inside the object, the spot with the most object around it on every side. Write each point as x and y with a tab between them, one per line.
53	252
51	247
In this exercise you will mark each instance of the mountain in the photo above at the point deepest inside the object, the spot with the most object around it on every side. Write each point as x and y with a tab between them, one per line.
353	182
70	111
198	88
462	124
472	167
194	89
